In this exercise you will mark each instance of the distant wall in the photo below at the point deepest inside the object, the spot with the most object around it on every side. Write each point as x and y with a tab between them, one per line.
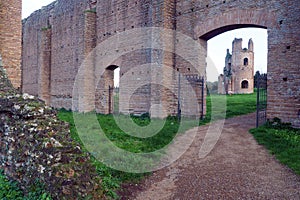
240	70
62	24
10	39
57	39
75	32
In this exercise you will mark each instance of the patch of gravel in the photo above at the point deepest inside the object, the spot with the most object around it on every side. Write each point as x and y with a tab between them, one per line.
237	168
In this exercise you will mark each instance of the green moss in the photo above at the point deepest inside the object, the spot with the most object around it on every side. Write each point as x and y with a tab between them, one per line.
91	11
46	28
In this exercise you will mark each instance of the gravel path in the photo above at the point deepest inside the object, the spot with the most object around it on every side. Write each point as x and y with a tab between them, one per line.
237	168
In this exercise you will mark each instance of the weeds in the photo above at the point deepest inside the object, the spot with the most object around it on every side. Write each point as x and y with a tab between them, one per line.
281	140
10	190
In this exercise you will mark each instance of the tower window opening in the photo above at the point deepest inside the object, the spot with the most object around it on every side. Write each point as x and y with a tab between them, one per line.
245	61
245	84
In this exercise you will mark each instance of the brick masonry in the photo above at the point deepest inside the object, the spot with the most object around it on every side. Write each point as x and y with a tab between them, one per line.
78	26
10	39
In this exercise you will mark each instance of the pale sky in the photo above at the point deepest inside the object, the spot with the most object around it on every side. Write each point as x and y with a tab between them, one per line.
216	46
29	6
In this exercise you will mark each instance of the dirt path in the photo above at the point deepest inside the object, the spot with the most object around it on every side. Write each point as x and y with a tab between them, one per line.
237	168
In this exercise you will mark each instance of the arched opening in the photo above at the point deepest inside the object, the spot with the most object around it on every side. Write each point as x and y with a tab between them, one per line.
240	63
215	32
239	74
116	92
208	28
113	72
244	84
107	95
245	61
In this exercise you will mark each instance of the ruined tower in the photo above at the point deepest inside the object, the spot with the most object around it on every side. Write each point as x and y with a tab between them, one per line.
10	39
238	70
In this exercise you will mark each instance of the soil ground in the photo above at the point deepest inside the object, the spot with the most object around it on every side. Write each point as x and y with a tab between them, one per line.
237	168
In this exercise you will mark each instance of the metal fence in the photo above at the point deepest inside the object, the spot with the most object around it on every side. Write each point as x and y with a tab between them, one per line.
261	104
195	82
185	103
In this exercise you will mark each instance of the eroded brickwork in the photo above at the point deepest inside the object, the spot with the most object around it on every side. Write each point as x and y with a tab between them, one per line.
237	77
10	39
199	19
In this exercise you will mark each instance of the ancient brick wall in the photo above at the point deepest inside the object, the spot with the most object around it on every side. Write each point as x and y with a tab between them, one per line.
10	39
199	19
65	20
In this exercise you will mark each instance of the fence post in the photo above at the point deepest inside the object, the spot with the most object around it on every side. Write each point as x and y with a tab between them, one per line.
202	101
178	103
109	100
257	100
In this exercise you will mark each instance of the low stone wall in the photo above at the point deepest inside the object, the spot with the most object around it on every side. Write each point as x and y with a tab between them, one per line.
35	145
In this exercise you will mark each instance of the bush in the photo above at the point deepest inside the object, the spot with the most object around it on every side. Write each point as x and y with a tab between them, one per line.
9	189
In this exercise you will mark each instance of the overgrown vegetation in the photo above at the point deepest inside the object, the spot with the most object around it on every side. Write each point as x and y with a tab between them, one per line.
281	140
46	28
10	190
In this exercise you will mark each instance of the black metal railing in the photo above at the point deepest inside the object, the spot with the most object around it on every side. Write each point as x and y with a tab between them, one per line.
196	82
261	103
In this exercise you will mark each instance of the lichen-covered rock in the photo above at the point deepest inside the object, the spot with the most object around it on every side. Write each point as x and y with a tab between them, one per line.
35	145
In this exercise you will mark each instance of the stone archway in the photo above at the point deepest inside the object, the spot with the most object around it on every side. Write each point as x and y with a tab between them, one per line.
281	38
238	18
234	19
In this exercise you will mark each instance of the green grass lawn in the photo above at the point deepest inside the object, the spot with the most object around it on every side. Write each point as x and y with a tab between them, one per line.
230	106
240	104
281	141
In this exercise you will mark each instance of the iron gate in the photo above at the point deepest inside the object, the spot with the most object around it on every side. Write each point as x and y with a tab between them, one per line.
197	83
261	103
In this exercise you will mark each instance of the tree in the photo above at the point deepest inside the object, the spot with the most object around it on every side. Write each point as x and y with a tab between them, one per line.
212	87
256	76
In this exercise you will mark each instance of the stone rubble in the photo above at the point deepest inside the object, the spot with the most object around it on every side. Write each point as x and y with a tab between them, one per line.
35	145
